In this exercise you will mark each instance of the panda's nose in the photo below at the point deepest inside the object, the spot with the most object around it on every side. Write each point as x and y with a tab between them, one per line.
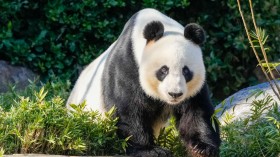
175	95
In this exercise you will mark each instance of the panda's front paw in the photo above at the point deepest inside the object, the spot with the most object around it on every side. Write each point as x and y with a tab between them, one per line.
200	149
154	152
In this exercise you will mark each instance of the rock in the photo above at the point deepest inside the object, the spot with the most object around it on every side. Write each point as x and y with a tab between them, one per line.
14	75
239	104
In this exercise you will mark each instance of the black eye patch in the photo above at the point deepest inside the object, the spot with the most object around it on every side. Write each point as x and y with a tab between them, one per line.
162	73
187	73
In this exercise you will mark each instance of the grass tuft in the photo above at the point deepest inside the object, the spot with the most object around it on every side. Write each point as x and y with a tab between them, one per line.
257	135
36	122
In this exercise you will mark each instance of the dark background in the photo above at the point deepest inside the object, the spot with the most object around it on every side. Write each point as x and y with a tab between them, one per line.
59	37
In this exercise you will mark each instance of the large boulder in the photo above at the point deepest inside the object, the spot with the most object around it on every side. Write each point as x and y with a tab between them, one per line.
239	105
14	76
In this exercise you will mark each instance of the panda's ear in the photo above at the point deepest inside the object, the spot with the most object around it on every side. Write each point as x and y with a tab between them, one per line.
153	31
195	33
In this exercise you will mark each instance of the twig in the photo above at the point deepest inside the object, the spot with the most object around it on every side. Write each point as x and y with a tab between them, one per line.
262	48
254	50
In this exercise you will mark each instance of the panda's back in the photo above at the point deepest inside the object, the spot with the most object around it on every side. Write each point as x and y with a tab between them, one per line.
88	87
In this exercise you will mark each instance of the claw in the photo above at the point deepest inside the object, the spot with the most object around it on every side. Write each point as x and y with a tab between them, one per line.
200	149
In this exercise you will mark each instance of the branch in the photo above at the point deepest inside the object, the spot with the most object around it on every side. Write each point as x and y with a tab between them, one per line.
254	50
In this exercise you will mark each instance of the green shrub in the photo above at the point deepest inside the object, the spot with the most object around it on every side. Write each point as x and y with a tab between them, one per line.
55	87
254	136
41	124
169	138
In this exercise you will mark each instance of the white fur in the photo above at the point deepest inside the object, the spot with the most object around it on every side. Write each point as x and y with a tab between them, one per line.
144	17
88	86
175	52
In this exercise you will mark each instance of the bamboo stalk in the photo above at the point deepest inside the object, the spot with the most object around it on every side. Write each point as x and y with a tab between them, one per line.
262	48
254	50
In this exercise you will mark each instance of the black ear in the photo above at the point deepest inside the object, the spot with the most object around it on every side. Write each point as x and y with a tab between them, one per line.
153	31
195	33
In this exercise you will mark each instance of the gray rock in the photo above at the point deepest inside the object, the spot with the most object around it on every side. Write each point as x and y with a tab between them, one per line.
14	75
239	104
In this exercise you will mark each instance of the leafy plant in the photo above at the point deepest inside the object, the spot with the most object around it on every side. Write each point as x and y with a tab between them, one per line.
55	87
273	66
1	152
255	136
170	139
42	124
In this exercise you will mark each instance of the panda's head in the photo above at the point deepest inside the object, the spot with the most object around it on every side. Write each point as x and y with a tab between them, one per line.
172	68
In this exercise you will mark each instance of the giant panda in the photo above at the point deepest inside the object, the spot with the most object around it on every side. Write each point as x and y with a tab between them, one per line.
153	70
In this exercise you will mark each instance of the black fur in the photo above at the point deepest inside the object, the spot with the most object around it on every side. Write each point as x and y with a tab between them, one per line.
137	112
195	126
195	33
153	31
187	74
162	73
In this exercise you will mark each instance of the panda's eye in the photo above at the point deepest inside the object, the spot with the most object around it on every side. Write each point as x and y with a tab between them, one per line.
164	70
187	73
162	73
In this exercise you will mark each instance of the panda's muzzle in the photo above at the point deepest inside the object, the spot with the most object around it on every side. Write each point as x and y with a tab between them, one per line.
175	95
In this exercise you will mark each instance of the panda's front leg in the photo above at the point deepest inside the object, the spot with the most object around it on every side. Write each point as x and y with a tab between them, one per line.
137	125
195	127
